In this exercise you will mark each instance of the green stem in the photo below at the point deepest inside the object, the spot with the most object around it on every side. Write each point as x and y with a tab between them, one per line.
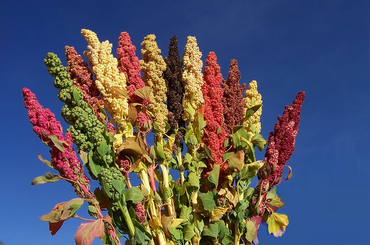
237	233
127	218
181	167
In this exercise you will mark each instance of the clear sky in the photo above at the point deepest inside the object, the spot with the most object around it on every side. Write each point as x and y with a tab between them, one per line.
320	47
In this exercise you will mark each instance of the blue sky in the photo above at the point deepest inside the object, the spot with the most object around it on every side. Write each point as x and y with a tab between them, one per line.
320	47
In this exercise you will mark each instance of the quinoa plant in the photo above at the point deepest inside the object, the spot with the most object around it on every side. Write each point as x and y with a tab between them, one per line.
156	116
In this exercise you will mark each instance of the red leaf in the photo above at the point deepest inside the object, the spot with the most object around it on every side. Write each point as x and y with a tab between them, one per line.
54	227
87	232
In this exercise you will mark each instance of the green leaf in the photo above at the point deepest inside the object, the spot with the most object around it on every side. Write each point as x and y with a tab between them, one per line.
152	154
175	233
252	226
87	232
199	164
77	95
134	194
159	152
94	168
251	230
139	236
227	240
93	211
45	161
193	180
227	155
185	212
188	232
214	175
199	225
146	237
252	110
57	143
240	136
47	178
223	230
71	208
103	148
251	169
192	140
259	141
219	129
242	206
208	152
189	132
189	110
207	201
250	150
200	122
211	230
119	186
199	125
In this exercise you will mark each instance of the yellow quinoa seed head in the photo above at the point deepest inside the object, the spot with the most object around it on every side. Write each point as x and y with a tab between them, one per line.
192	76
153	66
108	79
252	98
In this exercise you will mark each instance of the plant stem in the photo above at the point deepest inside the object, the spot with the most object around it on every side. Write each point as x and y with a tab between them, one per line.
151	176
237	233
161	238
166	187
127	218
179	162
196	217
143	175
84	219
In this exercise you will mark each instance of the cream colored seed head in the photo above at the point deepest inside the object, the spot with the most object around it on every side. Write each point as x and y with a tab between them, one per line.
108	79
192	76
153	66
253	98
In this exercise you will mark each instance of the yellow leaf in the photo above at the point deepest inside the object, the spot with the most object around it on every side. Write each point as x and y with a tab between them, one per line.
221	192
217	213
117	141
176	222
252	168
277	224
232	196
119	92
290	172
155	223
171	141
143	93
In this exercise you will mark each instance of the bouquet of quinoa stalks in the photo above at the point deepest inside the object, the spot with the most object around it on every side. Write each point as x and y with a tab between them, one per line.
176	127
